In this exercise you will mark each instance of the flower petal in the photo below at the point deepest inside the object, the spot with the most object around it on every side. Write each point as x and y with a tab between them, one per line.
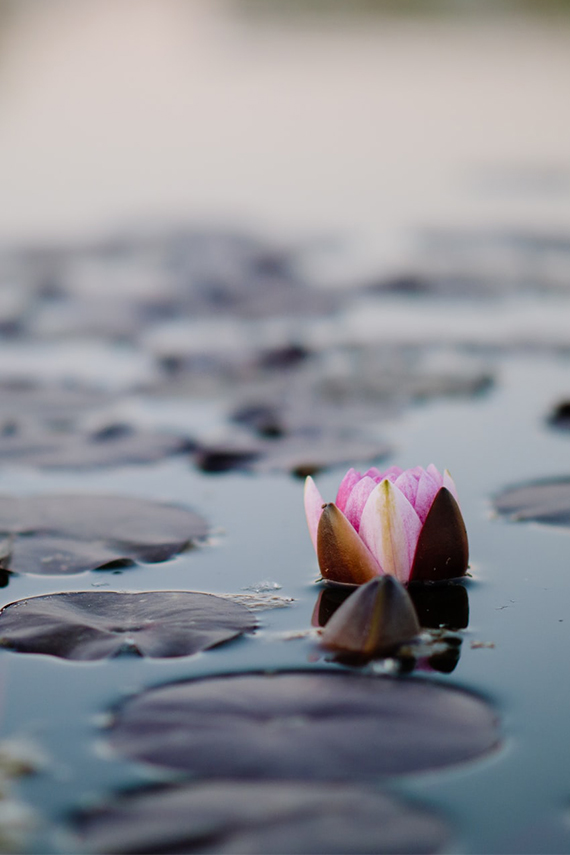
450	484
428	485
378	617
373	473
407	482
435	474
351	478
313	508
391	474
443	550
357	500
390	528
342	555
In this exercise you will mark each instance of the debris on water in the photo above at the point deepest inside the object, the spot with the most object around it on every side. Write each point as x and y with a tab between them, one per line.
263	587
260	601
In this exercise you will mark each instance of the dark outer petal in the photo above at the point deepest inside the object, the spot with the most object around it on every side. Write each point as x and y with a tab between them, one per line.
443	550
342	555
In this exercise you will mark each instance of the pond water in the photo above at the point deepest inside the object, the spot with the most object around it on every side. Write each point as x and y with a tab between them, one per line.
200	371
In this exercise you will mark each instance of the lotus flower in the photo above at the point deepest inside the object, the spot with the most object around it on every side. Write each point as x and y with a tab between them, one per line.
402	523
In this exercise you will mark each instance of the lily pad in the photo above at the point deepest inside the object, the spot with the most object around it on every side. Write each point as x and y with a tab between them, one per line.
546	501
268	817
560	416
112	445
89	625
298	456
309	726
55	534
23	400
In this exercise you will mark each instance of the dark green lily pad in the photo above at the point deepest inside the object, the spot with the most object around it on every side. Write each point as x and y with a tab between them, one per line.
55	534
308	726
263	818
89	625
546	501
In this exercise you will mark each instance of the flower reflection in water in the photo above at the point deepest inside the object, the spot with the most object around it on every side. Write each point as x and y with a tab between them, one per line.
441	610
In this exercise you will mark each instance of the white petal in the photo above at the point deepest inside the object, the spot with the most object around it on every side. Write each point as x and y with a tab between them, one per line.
313	508
390	528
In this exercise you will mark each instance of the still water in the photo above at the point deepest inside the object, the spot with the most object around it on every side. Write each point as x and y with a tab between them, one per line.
335	136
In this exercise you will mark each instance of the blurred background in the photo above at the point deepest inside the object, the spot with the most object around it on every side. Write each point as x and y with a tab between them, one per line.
359	120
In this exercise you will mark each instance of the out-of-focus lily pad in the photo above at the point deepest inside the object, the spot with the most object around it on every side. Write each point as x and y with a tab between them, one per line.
57	534
89	625
296	455
112	445
163	274
546	501
560	416
25	401
311	726
483	264
267	817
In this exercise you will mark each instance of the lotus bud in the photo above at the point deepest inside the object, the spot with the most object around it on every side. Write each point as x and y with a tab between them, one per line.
375	619
401	523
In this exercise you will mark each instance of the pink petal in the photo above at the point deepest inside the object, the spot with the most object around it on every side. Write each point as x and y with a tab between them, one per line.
374	473
391	474
450	484
357	500
407	482
313	508
351	478
390	528
435	474
428	487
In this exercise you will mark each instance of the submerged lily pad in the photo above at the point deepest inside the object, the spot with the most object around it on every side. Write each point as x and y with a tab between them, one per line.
91	625
268	817
309	726
65	533
546	501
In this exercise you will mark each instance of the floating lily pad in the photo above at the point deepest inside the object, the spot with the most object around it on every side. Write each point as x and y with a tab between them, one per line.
311	726
546	501
297	455
560	416
90	625
268	817
23	400
57	534
112	445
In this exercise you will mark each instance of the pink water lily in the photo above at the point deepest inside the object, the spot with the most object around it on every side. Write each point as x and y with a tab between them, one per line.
402	523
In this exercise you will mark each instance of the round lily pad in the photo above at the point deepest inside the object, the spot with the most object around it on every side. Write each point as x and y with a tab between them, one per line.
26	401
546	501
90	625
66	533
300	456
113	445
310	726
267	817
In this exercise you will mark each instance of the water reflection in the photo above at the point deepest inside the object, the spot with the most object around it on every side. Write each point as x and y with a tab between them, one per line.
441	605
442	610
